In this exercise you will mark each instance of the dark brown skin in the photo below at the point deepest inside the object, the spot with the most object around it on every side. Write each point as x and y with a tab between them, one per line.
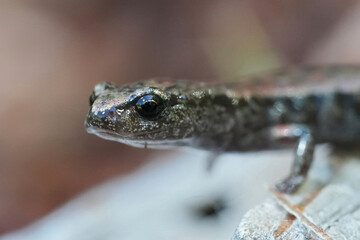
305	106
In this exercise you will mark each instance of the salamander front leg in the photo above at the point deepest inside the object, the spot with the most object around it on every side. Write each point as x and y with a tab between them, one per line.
304	153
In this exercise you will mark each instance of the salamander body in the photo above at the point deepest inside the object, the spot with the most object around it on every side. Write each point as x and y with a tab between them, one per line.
306	106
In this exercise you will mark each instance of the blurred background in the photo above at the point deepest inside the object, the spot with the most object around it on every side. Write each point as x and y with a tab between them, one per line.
53	52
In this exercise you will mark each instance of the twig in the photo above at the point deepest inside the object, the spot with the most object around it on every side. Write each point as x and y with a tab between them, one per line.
298	214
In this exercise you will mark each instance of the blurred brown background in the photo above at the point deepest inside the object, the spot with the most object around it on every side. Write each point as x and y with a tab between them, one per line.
53	52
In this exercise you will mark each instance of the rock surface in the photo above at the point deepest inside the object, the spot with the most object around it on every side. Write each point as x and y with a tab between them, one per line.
327	207
171	198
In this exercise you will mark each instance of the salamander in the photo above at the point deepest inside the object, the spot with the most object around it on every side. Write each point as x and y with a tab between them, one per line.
298	107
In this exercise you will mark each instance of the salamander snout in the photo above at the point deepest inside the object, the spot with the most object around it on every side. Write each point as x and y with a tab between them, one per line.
99	89
105	120
102	115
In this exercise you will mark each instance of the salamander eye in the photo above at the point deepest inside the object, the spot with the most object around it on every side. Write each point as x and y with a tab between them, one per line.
150	105
92	98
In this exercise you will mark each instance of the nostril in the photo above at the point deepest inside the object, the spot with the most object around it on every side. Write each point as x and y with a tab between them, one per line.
92	98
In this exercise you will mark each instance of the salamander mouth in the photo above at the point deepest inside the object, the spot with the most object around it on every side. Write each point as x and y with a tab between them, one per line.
130	136
137	140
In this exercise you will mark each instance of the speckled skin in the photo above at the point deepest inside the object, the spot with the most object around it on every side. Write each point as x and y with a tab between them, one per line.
255	113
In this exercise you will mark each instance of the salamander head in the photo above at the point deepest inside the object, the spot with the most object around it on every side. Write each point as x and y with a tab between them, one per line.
144	113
